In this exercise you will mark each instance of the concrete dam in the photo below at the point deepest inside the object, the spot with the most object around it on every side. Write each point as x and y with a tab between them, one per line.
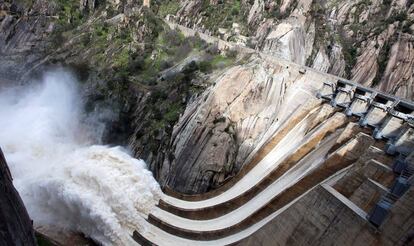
354	158
337	168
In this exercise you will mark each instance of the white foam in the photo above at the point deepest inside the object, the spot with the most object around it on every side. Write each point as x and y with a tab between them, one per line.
64	180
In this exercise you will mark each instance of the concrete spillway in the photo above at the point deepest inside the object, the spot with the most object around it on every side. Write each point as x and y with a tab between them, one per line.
311	143
305	175
291	141
309	172
157	236
306	165
316	162
316	153
316	148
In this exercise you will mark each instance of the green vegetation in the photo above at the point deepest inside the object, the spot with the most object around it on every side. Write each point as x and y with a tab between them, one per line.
382	63
168	98
215	62
361	31
70	15
224	14
122	58
350	55
219	120
168	7
169	47
135	60
164	115
42	241
173	113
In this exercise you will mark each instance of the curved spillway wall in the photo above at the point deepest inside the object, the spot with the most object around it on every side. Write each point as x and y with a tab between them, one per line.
64	179
362	127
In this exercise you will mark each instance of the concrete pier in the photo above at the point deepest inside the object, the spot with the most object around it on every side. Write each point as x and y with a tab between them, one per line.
391	117
392	125
327	91
404	142
377	112
344	95
360	103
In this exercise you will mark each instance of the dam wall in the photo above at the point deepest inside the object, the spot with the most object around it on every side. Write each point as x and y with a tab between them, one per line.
324	216
356	192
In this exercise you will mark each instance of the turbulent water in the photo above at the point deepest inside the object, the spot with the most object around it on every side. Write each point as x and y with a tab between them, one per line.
65	180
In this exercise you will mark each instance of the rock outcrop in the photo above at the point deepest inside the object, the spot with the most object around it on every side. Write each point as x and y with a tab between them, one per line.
24	27
218	131
16	227
398	77
224	125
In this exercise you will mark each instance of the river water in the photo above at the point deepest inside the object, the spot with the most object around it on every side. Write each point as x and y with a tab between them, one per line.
65	178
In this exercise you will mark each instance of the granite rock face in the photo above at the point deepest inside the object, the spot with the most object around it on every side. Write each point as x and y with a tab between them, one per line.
218	131
16	227
22	35
359	40
398	77
221	128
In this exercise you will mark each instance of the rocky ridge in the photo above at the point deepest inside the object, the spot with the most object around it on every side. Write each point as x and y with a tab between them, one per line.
360	40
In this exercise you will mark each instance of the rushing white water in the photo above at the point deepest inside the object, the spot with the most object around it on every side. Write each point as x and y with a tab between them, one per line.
64	180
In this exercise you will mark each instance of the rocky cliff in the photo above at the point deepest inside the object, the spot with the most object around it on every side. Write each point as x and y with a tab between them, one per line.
218	131
370	42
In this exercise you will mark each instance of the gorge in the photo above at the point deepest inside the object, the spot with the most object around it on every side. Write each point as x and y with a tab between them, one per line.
249	131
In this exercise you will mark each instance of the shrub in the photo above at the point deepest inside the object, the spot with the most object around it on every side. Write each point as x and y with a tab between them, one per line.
170	7
173	37
136	63
165	64
213	49
190	68
235	11
205	66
